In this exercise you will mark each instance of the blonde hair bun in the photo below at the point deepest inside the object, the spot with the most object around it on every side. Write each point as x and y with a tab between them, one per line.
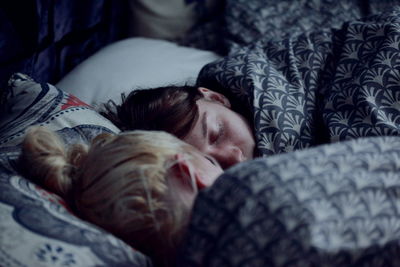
50	165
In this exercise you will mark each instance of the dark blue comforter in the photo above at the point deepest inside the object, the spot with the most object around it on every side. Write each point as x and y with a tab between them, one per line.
316	87
307	80
332	205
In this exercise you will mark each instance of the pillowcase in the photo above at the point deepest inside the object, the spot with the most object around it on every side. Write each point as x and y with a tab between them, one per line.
169	20
29	103
131	64
37	228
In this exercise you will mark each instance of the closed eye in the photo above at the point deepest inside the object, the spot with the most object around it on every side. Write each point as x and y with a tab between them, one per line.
211	160
219	134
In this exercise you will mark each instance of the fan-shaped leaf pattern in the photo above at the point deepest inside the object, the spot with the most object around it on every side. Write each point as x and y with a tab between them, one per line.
318	87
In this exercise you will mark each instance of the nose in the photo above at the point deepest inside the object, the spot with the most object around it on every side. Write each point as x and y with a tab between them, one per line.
228	157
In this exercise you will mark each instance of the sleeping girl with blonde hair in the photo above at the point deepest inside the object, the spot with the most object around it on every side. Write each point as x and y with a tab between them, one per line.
138	185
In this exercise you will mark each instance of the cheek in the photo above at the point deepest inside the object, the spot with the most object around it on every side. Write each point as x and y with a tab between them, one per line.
236	132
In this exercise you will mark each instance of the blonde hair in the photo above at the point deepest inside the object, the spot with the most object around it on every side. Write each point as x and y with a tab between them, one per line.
119	182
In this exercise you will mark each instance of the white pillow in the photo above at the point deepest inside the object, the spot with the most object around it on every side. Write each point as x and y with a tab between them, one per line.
134	63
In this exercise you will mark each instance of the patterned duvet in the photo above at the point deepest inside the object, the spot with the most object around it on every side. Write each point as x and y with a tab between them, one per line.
318	87
332	205
328	87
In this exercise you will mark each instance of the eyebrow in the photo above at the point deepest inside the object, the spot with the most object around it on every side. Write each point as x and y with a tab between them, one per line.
204	125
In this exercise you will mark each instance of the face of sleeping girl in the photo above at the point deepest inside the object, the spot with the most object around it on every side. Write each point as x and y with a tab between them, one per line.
220	132
139	185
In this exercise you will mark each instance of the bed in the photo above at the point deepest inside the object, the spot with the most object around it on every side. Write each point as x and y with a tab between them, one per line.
310	73
53	60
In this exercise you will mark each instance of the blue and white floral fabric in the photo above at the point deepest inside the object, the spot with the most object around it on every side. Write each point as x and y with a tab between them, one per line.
317	87
36	227
332	205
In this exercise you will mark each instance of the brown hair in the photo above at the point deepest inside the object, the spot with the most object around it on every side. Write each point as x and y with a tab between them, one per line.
172	109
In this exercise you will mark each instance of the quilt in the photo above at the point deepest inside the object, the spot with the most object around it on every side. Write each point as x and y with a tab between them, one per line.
320	80
314	87
331	205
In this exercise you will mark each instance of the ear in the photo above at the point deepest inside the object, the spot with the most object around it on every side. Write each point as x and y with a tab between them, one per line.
214	96
182	172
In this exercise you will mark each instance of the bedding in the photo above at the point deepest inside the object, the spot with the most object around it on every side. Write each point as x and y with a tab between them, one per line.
46	39
249	21
331	76
316	87
134	63
168	20
37	227
307	79
243	22
332	205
